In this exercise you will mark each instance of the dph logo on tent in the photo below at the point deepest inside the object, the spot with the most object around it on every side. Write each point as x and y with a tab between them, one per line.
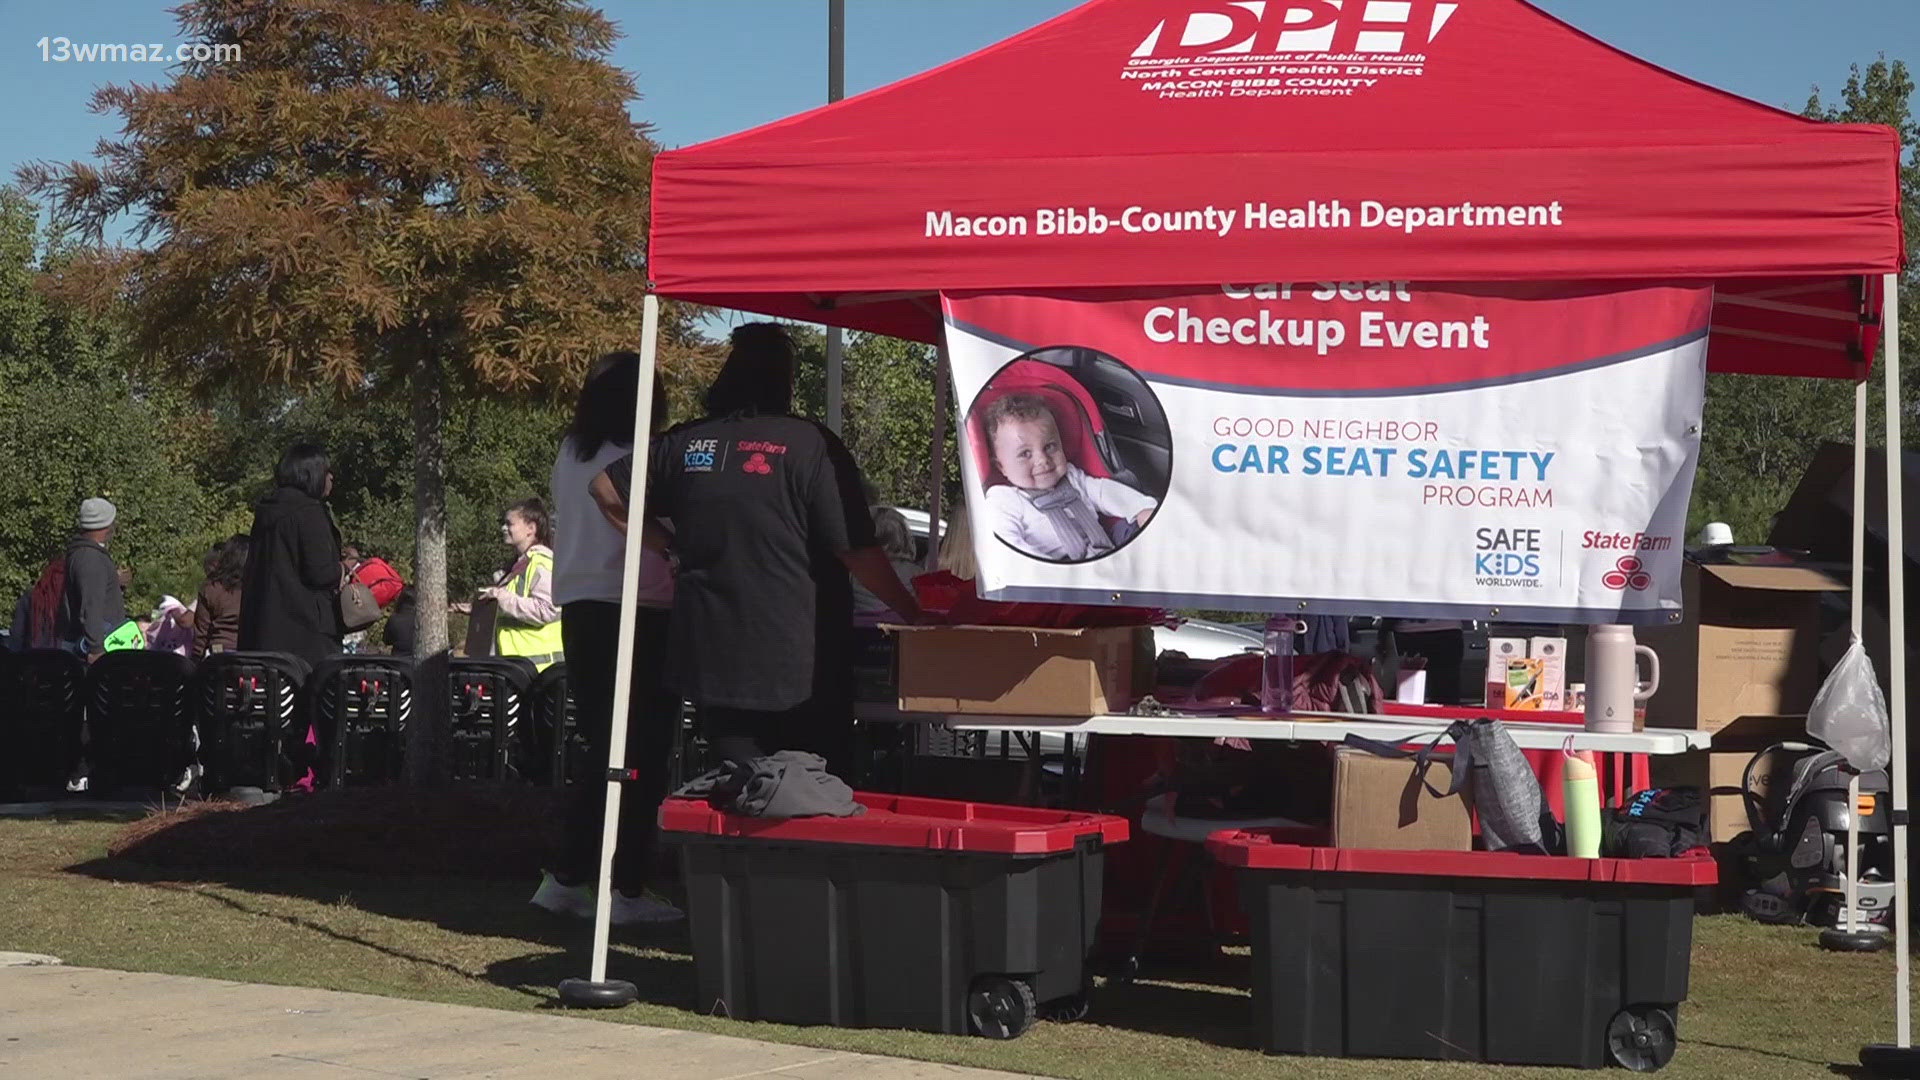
1267	27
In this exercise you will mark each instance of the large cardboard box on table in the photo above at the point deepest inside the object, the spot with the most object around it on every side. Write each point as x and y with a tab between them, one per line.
1749	646
1018	671
1380	803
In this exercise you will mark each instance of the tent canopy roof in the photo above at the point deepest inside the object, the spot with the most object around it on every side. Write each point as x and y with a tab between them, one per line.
1138	143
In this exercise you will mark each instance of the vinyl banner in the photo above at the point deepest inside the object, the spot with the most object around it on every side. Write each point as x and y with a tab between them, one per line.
1514	452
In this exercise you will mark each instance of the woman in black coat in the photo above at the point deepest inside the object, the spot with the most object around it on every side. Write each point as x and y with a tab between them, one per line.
290	601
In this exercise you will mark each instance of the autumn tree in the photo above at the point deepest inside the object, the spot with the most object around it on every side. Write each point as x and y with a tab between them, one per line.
427	199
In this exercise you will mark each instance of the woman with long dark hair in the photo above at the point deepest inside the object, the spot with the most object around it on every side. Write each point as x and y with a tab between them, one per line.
290	590
216	612
589	558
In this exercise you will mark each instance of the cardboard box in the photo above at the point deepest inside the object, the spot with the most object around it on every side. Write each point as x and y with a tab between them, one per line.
1016	671
1718	772
1523	684
1749	646
1552	654
1379	803
1499	651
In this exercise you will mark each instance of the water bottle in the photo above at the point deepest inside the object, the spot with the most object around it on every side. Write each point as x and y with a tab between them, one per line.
1276	665
1613	677
1580	797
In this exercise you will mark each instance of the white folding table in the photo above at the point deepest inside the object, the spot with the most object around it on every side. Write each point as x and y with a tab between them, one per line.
1295	727
1332	727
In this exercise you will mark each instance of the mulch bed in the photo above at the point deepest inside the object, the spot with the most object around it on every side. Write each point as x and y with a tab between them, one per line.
468	831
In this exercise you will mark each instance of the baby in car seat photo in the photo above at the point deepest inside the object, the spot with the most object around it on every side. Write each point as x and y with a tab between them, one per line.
1049	507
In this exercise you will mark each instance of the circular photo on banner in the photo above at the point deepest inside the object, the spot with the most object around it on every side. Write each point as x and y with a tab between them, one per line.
1073	453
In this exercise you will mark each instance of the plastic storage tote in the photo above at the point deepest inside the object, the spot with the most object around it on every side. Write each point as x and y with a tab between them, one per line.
922	913
251	718
361	705
40	728
139	719
491	740
1465	955
564	757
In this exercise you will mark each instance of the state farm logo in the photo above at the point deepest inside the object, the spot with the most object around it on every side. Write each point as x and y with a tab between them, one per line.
1264	27
1627	573
1595	540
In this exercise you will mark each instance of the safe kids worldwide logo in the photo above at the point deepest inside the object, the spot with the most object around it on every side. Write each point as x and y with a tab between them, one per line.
701	455
1508	558
1285	48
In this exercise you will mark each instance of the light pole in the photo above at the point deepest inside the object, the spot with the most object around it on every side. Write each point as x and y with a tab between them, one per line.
836	89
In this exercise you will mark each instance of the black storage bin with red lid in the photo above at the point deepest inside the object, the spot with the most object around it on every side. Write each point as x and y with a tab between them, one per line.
922	914
1466	955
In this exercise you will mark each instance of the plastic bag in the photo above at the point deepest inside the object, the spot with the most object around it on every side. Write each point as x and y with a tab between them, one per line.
1849	713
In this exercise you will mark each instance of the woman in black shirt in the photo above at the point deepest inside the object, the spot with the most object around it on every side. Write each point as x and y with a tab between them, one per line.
768	516
290	597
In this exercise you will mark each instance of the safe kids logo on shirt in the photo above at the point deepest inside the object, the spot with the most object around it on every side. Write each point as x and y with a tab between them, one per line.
1519	452
701	456
1285	48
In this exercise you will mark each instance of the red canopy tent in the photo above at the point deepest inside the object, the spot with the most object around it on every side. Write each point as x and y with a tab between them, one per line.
1308	140
1480	105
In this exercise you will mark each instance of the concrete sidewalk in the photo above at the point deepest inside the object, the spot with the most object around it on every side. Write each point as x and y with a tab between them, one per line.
68	1023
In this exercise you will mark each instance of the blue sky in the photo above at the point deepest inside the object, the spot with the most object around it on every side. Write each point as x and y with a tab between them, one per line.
709	67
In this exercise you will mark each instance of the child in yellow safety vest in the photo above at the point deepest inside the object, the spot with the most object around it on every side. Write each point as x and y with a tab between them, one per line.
529	621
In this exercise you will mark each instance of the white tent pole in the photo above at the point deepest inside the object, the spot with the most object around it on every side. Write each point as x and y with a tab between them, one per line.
1897	657
629	618
1858	610
1859	506
937	465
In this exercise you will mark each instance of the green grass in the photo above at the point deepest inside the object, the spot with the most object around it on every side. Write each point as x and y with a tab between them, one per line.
1767	1002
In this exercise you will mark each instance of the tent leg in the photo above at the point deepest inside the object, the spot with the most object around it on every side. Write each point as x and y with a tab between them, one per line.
1849	931
937	464
596	991
1897	657
1898	1059
1859	599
